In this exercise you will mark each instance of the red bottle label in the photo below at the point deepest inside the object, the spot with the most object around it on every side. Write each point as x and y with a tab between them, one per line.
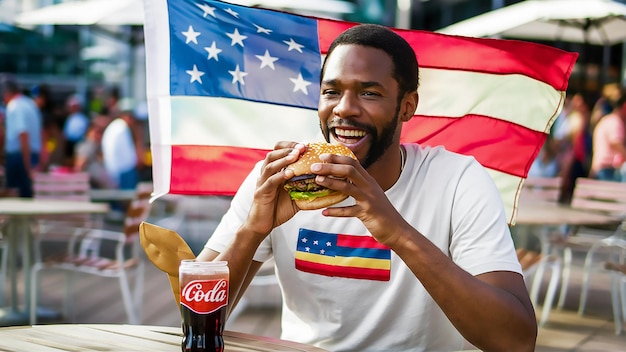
205	296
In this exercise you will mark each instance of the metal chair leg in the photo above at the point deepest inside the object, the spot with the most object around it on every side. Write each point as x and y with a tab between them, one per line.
128	299
566	272
616	301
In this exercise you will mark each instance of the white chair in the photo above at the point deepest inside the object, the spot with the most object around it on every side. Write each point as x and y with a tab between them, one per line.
543	188
4	255
613	250
4	244
89	253
618	293
591	195
536	262
534	265
62	186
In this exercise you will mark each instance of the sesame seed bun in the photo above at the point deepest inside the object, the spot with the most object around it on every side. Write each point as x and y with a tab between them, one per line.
320	197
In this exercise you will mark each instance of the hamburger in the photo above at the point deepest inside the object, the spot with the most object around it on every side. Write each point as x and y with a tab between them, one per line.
302	188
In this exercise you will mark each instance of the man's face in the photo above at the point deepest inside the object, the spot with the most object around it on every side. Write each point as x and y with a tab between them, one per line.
359	104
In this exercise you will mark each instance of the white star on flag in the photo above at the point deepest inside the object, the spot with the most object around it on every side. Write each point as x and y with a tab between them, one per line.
260	29
236	38
238	75
213	51
191	36
293	45
195	75
208	10
328	244
308	249
300	84
304	240
232	12
267	60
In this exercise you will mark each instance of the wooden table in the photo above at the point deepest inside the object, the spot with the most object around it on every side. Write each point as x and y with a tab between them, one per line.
105	337
19	212
538	212
542	214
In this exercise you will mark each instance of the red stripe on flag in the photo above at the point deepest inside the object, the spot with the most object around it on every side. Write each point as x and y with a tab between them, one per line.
343	271
504	146
473	54
224	168
211	170
359	242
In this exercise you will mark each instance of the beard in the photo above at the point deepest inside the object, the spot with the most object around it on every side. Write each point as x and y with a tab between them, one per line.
380	143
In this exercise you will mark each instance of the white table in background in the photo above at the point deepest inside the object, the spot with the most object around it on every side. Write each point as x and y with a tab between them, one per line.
19	212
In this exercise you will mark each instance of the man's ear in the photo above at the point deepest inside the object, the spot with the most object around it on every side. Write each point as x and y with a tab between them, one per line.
409	105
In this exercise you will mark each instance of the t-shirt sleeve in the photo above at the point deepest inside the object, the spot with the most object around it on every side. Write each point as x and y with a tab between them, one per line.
20	117
481	240
236	215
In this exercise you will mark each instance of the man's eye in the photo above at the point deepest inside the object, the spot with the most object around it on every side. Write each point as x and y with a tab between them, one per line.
329	92
370	93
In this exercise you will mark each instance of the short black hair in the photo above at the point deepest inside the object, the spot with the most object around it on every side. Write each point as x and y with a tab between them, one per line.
405	65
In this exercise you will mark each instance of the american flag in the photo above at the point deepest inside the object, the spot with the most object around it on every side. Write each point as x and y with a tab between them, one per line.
225	82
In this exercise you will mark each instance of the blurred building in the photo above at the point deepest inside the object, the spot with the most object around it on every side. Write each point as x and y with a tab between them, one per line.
75	58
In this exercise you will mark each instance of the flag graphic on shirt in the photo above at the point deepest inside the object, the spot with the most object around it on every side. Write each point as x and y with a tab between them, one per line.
341	255
226	82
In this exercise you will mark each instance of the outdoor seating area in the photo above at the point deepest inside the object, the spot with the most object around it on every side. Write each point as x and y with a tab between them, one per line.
329	175
87	254
98	301
589	228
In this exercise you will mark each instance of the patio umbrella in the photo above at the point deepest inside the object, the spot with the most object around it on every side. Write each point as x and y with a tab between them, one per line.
89	12
130	12
590	22
598	22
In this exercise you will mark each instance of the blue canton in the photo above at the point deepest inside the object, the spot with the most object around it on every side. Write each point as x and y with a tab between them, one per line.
224	50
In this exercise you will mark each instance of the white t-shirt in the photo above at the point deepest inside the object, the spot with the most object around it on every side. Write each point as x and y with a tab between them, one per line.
118	149
448	197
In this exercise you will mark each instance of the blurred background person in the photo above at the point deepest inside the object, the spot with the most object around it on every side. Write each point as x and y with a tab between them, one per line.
75	126
23	145
609	152
119	151
609	96
88	155
52	140
572	138
112	103
545	165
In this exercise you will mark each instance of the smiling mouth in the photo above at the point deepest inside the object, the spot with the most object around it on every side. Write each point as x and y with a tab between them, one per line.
348	136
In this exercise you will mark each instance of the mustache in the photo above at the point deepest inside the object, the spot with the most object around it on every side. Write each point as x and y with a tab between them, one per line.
339	122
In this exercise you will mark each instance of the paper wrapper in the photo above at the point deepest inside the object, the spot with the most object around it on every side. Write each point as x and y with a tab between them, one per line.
165	249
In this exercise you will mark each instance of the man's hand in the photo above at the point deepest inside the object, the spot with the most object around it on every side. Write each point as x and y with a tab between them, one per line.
371	206
272	205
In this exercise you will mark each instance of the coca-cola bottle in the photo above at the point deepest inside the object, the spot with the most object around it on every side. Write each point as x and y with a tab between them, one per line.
203	304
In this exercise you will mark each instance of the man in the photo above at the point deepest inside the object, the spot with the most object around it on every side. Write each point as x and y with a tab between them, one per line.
88	154
608	141
438	214
119	151
23	138
75	126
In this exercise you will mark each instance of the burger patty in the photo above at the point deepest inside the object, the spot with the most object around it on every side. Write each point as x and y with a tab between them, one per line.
304	183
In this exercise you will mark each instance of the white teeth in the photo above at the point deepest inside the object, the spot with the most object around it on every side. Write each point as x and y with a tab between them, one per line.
349	133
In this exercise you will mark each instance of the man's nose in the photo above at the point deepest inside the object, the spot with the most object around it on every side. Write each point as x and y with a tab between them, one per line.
347	106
